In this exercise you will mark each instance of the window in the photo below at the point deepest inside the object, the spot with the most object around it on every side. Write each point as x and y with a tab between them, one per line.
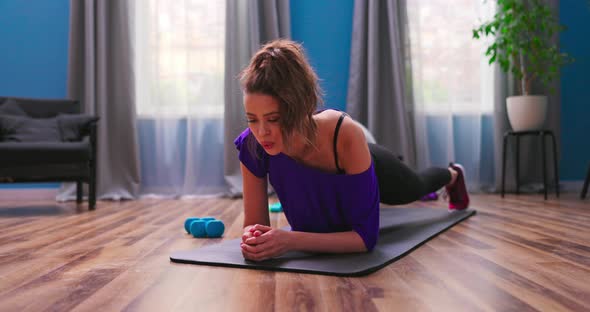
180	57
449	70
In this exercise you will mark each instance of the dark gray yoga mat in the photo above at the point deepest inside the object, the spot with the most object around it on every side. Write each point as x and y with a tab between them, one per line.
401	230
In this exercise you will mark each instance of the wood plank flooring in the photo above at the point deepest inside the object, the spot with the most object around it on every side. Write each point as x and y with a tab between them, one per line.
519	253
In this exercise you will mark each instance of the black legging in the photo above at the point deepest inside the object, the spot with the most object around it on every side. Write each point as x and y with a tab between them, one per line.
398	184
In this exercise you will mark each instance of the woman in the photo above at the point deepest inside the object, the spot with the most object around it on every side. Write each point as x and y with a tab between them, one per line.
328	179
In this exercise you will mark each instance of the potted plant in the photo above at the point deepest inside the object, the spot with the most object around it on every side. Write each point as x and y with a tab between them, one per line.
523	31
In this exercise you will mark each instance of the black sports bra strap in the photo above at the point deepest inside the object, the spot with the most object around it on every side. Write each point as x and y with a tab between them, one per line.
340	171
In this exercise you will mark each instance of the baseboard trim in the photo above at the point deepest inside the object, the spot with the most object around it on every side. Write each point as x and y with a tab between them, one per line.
571	186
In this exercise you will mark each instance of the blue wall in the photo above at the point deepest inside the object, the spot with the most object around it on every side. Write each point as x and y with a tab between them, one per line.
325	28
34	53
575	83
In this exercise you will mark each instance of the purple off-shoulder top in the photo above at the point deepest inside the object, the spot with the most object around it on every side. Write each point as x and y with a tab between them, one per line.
313	200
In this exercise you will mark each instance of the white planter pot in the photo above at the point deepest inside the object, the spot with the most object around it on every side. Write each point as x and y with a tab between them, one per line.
526	112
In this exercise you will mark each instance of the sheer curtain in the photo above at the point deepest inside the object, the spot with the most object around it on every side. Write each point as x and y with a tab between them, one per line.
179	49
453	87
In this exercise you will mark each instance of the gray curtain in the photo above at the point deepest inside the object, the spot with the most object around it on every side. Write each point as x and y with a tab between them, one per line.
531	174
250	24
100	75
378	92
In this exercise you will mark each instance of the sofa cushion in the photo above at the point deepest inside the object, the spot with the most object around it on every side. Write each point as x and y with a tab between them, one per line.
38	153
11	107
74	127
47	108
26	129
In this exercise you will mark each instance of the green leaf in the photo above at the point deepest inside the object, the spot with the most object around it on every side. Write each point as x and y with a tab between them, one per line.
524	27
475	34
492	59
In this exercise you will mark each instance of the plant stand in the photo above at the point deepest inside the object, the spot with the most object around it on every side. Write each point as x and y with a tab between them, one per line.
541	134
586	182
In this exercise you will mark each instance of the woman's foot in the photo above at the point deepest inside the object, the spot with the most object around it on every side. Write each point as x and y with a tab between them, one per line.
458	196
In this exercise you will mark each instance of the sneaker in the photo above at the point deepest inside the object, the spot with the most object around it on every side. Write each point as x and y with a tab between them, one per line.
458	196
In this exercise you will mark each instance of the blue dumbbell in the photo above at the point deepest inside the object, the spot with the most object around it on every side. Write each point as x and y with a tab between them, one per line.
214	228
188	221
198	228
275	207
205	227
187	224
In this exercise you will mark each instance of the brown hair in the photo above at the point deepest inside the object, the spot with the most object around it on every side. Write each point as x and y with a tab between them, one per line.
280	69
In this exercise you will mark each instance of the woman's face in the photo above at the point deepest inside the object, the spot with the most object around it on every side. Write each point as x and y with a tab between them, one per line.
262	113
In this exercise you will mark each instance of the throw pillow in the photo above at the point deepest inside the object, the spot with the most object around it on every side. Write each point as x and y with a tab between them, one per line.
11	107
26	129
74	127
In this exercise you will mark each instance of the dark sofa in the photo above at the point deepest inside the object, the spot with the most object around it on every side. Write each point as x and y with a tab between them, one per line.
48	140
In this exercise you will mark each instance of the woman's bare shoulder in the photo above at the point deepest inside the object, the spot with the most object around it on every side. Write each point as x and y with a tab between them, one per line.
327	115
353	147
353	152
349	129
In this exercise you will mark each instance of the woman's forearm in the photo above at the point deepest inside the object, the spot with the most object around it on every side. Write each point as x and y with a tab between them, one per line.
338	242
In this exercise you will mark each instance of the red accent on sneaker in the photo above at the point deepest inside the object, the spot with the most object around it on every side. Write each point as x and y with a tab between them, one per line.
458	196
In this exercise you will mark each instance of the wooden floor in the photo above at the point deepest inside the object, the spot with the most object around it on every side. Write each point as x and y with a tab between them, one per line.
518	253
